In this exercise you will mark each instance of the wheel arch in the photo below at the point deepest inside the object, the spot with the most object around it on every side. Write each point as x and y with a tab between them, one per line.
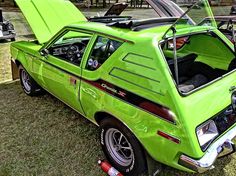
101	115
20	59
18	63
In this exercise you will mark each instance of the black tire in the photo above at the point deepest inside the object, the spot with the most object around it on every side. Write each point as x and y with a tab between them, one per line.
31	88
13	39
136	166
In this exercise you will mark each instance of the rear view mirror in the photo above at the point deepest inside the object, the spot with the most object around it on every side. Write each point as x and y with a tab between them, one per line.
44	52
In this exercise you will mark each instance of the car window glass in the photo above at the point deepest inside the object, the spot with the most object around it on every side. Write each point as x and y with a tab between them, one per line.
180	42
70	47
102	50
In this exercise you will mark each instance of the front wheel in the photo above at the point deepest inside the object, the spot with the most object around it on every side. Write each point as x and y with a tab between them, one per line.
29	86
121	148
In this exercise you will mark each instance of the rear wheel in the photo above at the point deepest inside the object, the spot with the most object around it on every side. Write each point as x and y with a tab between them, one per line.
121	148
29	86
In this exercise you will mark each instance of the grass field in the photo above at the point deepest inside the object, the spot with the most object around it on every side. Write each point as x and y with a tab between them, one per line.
42	136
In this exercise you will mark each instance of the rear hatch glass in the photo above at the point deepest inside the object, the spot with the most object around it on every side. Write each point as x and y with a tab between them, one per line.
197	58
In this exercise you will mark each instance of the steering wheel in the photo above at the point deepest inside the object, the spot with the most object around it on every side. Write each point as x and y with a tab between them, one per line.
75	51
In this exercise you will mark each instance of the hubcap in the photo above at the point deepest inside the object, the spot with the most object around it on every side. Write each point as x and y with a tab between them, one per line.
25	80
119	147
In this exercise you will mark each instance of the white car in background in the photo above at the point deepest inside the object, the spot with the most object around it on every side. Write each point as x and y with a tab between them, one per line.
7	30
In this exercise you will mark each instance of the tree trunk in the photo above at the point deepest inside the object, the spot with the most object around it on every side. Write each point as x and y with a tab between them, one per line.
104	3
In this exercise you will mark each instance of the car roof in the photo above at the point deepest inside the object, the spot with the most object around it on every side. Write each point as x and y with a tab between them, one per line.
127	34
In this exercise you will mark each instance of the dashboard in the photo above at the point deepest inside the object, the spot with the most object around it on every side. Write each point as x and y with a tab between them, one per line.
69	51
60	51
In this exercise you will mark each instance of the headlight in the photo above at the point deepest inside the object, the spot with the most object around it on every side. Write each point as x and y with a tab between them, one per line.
206	133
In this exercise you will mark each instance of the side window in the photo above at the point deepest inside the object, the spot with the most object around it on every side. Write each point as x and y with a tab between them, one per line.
102	50
70	47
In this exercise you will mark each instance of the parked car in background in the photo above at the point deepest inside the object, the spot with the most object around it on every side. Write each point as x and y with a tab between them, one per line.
225	23
112	14
161	87
163	9
6	29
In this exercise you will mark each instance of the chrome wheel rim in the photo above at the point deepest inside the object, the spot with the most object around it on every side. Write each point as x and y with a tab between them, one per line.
119	147
25	80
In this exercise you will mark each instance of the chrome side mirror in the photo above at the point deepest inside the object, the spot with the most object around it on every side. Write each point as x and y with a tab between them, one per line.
44	52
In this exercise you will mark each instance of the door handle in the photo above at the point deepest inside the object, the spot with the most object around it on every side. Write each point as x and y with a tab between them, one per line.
90	92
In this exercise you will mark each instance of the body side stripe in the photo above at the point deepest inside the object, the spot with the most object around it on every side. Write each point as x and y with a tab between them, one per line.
126	96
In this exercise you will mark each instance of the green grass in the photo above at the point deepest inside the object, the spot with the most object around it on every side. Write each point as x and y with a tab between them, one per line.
42	136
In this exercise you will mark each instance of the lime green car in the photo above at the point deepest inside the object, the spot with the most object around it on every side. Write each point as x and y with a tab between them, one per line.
162	88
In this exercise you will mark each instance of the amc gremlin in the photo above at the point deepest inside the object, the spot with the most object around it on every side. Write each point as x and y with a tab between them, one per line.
163	88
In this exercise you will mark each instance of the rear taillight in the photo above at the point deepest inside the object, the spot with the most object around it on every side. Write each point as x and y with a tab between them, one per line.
159	110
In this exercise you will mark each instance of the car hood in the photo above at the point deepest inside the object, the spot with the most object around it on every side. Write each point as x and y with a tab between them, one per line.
47	17
116	9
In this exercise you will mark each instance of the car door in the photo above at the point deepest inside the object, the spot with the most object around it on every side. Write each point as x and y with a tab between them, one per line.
93	85
61	66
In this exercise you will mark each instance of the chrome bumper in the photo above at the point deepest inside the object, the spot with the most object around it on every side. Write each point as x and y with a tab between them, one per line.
8	36
222	147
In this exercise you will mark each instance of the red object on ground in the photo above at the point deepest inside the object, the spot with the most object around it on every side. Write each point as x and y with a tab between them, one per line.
107	168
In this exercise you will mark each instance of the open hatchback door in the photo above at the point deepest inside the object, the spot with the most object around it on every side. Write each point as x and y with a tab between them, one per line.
47	17
116	9
195	13
195	53
165	8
